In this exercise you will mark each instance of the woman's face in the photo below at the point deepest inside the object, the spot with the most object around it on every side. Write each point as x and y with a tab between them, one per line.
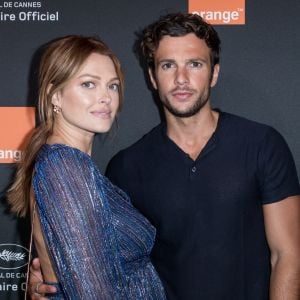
90	100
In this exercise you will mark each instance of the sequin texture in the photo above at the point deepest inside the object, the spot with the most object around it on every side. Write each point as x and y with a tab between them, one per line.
98	242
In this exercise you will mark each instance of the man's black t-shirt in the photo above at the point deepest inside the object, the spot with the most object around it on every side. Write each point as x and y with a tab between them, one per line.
210	241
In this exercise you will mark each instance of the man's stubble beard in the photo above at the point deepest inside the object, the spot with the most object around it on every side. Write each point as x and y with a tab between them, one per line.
191	111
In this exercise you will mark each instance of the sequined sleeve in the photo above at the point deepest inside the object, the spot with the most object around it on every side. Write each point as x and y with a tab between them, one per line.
76	222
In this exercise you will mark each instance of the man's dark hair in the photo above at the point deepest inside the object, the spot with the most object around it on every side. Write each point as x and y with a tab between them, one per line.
176	25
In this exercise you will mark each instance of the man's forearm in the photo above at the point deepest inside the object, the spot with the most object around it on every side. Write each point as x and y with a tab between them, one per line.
285	279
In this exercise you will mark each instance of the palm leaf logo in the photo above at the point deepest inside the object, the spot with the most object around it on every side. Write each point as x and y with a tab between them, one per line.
11	256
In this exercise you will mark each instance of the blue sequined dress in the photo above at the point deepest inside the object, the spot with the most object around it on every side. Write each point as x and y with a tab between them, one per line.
98	242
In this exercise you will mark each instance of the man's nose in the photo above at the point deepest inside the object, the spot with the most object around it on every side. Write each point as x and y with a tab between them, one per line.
181	77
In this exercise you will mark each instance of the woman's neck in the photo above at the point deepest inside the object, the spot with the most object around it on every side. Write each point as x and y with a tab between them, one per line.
76	139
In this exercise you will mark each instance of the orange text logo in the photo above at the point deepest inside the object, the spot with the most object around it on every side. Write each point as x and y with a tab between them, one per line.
15	123
222	12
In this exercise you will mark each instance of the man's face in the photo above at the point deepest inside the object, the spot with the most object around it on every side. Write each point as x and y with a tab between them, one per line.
183	75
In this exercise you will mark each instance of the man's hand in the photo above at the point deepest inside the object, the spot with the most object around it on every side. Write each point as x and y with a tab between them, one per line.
36	288
282	223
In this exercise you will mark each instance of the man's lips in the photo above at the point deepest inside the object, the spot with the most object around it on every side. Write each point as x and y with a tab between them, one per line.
182	95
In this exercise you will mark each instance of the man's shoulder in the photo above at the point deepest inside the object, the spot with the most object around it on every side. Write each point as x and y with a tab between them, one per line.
241	132
234	120
145	143
140	149
242	126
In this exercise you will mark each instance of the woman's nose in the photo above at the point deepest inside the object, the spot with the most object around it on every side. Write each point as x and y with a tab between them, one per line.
104	97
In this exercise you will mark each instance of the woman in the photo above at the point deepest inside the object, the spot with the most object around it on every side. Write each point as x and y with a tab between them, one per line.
91	242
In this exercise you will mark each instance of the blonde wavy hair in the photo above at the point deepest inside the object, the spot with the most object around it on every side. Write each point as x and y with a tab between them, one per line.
61	60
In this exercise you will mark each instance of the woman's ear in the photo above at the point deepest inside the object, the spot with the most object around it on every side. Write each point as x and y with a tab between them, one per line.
55	100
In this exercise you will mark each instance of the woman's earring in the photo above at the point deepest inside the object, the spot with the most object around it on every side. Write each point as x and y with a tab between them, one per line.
56	109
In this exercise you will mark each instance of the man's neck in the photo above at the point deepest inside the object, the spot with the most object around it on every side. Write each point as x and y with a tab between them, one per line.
192	134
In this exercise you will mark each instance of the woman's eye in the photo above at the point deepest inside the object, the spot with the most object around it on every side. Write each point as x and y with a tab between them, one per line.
88	84
114	87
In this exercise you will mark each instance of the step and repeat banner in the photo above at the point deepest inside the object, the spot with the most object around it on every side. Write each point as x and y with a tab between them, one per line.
259	80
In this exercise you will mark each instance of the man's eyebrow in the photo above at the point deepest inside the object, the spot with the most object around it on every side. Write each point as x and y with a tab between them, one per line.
197	59
164	60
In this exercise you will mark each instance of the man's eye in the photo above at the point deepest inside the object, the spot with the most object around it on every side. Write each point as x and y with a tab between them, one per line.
114	87
88	84
195	64
166	66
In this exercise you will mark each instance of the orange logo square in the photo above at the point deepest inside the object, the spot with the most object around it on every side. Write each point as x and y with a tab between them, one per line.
15	123
221	12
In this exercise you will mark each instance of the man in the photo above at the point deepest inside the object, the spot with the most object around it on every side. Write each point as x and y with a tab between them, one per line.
221	190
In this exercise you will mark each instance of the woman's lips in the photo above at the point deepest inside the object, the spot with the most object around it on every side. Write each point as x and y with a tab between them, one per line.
104	114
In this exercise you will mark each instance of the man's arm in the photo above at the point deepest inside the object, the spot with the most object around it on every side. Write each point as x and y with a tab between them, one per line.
282	224
35	280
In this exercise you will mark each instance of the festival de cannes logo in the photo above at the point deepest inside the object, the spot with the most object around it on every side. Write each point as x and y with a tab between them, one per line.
13	256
